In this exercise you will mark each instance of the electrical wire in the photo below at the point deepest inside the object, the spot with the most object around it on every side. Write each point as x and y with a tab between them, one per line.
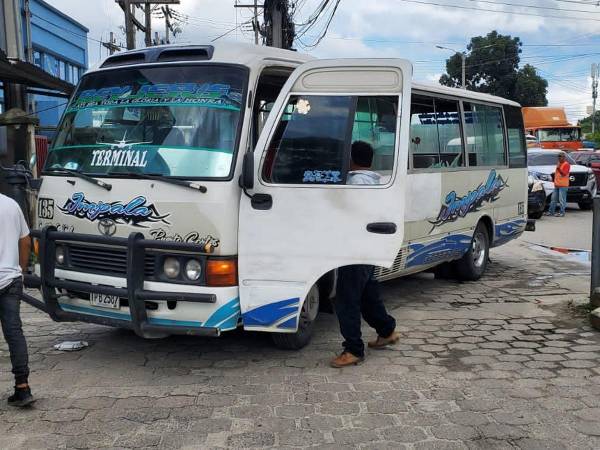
549	8
499	11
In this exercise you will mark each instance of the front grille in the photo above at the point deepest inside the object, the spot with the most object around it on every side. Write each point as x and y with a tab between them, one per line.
577	179
580	179
104	260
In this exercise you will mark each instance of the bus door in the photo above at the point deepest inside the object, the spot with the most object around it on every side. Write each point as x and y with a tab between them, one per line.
309	211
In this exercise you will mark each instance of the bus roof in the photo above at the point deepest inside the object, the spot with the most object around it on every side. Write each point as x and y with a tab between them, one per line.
236	53
249	55
464	93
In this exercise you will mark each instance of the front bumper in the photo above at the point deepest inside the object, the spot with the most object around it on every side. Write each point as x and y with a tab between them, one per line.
536	202
134	291
579	194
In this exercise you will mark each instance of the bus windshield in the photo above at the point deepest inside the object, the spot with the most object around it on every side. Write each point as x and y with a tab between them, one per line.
172	121
559	134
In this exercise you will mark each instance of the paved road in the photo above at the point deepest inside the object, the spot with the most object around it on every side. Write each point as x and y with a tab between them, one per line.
572	231
503	363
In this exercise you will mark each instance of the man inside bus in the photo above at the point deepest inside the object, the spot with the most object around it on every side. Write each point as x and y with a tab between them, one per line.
357	289
561	186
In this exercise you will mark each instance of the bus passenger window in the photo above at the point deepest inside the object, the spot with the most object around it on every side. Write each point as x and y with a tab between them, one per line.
485	135
375	123
309	142
517	146
448	122
312	142
424	139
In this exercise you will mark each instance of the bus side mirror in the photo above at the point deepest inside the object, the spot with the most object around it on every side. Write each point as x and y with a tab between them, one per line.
248	171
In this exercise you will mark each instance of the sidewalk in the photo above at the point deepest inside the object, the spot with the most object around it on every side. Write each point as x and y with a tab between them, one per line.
507	362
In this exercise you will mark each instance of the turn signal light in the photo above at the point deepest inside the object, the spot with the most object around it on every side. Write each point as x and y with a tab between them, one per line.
36	247
221	272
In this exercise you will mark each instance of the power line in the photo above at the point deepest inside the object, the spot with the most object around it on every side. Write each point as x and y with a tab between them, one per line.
550	8
499	11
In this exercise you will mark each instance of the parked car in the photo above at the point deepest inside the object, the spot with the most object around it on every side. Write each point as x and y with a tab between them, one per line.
589	144
536	202
588	158
582	181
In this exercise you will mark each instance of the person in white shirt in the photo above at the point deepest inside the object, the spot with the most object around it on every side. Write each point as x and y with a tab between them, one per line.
15	248
357	289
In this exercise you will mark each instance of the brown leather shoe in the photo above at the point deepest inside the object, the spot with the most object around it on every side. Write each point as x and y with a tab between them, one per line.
346	359
382	342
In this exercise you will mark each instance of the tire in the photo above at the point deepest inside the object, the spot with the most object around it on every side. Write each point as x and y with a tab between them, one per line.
445	271
306	324
536	215
585	206
473	263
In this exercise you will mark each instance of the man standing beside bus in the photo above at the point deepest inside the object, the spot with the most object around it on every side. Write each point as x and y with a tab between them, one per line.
15	247
357	289
561	186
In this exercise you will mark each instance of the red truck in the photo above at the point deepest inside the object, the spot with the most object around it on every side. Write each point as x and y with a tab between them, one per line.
551	128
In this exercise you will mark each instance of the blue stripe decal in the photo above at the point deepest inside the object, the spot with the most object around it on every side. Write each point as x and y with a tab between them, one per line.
269	314
96	312
450	247
504	232
226	316
290	323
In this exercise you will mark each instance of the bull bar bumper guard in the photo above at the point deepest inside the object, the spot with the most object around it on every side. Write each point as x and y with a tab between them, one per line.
136	247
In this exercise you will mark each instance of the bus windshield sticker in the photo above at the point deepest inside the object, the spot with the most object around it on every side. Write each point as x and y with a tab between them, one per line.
193	237
166	94
455	207
322	176
135	212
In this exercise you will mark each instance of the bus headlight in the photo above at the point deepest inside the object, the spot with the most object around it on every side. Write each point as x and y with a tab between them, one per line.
193	269
60	254
171	267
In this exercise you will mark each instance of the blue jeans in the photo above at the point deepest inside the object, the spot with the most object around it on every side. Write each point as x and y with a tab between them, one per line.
358	294
559	195
10	304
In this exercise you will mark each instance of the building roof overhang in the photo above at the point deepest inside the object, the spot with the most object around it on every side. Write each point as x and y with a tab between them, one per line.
17	71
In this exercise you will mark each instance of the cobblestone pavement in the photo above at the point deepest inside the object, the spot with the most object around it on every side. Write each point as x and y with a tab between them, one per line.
507	362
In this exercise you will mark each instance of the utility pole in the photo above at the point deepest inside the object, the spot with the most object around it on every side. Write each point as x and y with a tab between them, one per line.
131	22
463	58
148	24
255	24
279	26
595	77
111	45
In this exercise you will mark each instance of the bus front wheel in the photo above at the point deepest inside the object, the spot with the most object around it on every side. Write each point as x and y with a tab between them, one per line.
473	264
306	323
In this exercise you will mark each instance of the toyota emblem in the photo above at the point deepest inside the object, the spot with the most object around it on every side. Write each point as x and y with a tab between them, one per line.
107	227
571	178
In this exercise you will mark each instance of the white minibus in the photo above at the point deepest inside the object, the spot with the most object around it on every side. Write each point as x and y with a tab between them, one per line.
197	189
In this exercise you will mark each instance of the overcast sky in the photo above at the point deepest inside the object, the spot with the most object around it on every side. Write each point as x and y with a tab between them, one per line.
562	49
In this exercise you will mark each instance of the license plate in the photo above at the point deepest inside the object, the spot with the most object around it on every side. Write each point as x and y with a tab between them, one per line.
104	301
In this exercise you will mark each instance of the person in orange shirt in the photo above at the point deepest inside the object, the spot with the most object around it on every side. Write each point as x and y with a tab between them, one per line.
561	186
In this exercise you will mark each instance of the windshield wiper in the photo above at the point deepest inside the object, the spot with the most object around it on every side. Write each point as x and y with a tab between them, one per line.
83	176
159	177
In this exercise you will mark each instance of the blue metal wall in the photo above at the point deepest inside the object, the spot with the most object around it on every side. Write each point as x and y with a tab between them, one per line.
60	48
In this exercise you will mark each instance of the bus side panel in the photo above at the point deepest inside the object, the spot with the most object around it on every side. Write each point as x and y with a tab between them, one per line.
443	209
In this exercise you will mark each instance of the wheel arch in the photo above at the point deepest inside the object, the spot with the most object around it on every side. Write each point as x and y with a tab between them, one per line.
489	226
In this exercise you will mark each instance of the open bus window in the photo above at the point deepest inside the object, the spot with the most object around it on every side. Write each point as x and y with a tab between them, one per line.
435	133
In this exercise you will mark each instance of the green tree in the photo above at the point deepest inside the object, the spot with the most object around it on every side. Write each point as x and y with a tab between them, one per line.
586	123
492	66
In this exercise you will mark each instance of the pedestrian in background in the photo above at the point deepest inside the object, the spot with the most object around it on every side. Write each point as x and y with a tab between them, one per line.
561	186
15	248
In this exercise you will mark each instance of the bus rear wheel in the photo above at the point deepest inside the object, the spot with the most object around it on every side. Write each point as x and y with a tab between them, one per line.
306	324
473	263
